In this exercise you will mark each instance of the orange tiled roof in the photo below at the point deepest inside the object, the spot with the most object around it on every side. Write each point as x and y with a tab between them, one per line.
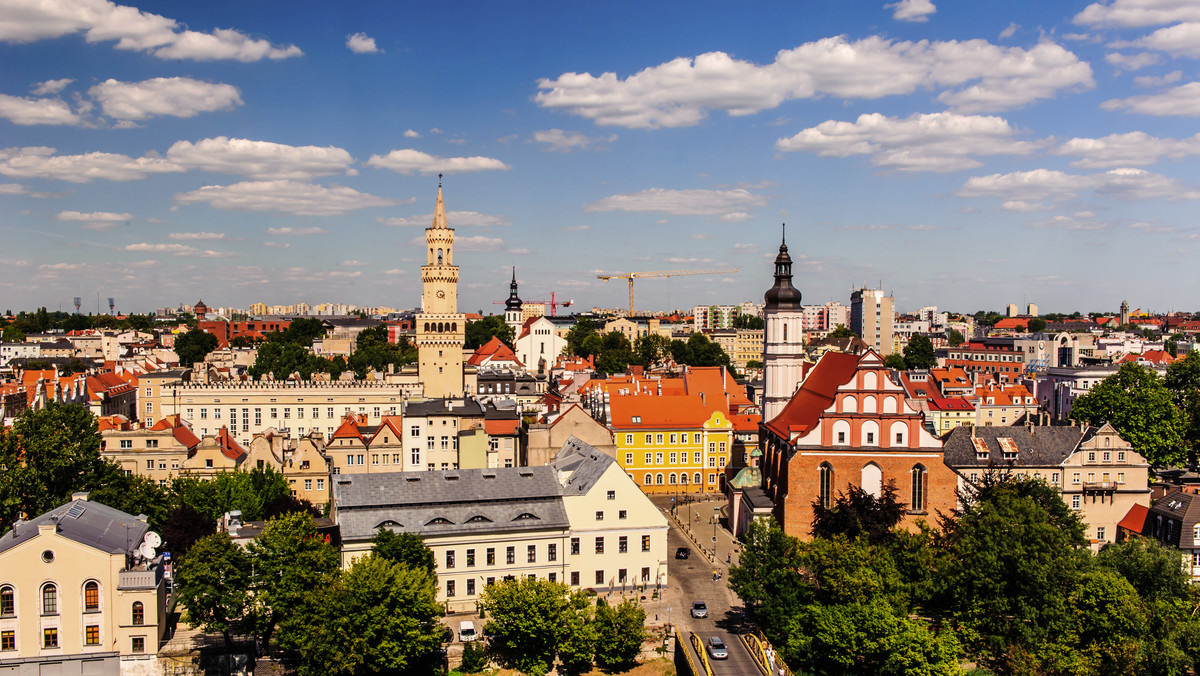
493	350
501	427
816	394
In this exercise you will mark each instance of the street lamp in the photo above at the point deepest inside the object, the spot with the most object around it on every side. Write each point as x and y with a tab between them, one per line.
716	518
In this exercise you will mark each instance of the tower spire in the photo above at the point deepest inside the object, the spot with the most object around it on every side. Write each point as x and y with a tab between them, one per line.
439	212
783	294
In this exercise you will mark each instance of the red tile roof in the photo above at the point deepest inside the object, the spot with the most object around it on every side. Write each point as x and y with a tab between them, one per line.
493	350
501	427
229	446
1135	518
816	394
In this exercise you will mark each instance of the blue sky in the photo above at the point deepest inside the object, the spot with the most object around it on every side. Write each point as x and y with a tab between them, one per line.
964	154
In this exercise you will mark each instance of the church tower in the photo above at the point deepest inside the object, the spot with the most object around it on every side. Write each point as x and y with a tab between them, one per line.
512	307
441	330
783	348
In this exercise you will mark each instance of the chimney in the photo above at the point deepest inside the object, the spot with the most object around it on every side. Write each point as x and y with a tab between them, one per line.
81	495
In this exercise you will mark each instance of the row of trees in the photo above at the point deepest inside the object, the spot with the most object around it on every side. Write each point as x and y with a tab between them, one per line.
534	622
614	353
288	591
16	327
1159	416
1008	582
287	352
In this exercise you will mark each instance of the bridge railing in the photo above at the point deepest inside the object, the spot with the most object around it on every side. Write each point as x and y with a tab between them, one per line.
764	654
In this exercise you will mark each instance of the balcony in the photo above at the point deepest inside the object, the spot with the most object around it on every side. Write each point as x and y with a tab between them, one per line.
139	579
1100	485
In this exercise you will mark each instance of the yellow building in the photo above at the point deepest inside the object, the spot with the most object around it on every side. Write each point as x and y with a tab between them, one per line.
76	596
671	443
441	329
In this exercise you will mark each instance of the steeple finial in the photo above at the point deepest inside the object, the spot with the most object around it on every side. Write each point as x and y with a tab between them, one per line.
439	212
514	274
439	179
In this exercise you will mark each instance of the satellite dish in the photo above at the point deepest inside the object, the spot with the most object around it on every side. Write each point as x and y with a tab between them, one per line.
147	551
152	539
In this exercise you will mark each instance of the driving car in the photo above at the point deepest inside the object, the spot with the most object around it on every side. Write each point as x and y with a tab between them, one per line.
716	648
682	553
699	609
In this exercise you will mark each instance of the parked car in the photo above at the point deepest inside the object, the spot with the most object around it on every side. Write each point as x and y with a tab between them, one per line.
466	631
682	553
716	648
699	609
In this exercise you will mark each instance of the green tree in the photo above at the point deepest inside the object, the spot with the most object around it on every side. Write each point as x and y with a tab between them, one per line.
480	331
1036	325
754	364
578	637
184	527
895	361
653	348
213	585
867	638
620	633
380	617
47	455
955	337
248	492
136	494
527	620
12	334
577	334
840	331
919	353
300	332
857	513
751	322
194	346
1183	381
1016	553
1102	632
406	548
1139	406
767	577
474	658
290	560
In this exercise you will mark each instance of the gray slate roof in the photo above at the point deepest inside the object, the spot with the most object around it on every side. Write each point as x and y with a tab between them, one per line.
89	523
468	407
585	464
1180	508
1039	446
449	502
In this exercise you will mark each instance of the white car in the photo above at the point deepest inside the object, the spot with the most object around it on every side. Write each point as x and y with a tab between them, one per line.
699	609
717	649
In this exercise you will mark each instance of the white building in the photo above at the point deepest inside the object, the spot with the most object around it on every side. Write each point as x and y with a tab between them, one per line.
538	340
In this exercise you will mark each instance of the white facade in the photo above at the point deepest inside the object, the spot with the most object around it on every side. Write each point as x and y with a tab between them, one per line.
538	340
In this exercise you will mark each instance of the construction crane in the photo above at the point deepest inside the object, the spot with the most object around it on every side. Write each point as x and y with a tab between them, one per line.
661	273
553	303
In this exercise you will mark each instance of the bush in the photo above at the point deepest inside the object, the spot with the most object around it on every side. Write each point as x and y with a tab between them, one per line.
474	658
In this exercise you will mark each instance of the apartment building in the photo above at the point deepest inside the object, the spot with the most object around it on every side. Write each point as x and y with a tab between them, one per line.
985	360
871	316
157	452
580	521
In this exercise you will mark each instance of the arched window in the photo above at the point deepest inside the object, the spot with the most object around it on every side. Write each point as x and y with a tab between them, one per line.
899	433
683	478
889	404
784	331
872	479
8	601
869	404
91	595
49	599
841	432
696	478
870	380
826	486
849	404
139	613
647	479
453	326
658	478
426	327
671	479
439	256
869	433
917	498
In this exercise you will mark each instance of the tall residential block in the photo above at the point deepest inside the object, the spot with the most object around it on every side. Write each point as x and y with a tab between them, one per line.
871	315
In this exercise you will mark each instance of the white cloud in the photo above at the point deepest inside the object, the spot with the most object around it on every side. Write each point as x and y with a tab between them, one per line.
912	10
1182	39
296	232
18	189
293	197
565	141
518	252
1064	222
41	162
176	96
575	228
1127	150
62	266
1158	80
412	134
695	202
735	217
51	86
353	264
1023	207
1131	61
175	250
680	92
361	43
102	21
1181	100
475	243
1134	13
349	274
26	111
94	217
1118	184
408	161
394	272
259	159
454	218
196	236
870	227
277	245
1010	31
920	142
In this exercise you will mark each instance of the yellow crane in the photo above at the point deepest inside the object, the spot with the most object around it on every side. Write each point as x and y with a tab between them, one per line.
662	273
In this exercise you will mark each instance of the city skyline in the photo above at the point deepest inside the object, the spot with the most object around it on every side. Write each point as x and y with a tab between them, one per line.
965	156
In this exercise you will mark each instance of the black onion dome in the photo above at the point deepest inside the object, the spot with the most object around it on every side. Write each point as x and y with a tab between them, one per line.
783	296
513	302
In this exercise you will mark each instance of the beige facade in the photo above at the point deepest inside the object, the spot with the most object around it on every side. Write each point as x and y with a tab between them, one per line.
747	347
69	601
157	453
307	471
871	317
292	408
441	328
543	441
